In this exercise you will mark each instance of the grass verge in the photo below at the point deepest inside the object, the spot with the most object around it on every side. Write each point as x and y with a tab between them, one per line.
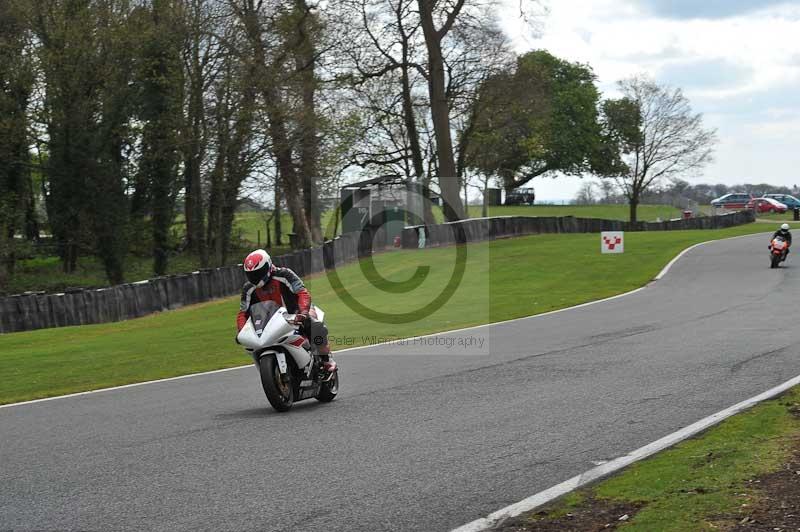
252	226
502	280
45	273
710	482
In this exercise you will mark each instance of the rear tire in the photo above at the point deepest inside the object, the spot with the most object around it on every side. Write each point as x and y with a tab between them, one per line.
328	390
280	393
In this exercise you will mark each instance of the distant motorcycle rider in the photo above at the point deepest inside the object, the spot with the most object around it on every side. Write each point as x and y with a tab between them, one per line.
267	282
784	233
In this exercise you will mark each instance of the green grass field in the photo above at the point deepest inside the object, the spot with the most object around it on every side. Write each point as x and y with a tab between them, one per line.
44	273
701	484
646	213
503	279
787	216
248	224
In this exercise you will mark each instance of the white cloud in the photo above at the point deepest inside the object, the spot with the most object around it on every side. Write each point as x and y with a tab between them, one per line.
738	65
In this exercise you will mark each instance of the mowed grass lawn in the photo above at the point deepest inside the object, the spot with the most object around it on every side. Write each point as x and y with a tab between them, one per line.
248	224
704	483
44	273
647	213
502	280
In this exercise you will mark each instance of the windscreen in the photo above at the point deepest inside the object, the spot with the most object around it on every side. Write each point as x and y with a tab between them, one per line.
261	313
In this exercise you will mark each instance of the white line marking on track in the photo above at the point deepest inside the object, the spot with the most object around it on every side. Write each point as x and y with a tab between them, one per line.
349	349
680	255
550	494
337	352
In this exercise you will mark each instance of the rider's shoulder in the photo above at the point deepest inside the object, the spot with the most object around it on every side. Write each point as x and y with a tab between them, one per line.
282	271
288	278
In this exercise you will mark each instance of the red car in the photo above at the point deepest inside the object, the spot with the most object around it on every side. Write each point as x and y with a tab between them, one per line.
767	205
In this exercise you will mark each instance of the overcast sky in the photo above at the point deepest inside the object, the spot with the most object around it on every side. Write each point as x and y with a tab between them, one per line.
738	62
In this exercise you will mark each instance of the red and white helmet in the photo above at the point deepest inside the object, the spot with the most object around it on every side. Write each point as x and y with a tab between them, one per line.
258	266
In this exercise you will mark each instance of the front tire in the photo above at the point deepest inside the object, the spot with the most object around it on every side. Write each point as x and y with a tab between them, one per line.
775	260
278	389
328	390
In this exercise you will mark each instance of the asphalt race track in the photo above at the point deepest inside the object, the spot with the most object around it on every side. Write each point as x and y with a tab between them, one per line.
420	438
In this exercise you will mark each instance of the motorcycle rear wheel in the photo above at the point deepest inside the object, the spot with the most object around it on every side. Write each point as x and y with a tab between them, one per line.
279	392
328	390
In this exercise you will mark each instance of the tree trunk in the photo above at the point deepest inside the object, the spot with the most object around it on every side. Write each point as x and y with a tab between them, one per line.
215	199
110	223
228	212
485	208
163	203
305	63
337	213
290	184
427	205
282	147
634	204
413	218
440	115
193	205
195	146
466	199
6	265
277	214
162	114
31	218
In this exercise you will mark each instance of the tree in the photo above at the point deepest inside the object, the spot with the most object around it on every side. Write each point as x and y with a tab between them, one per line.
235	117
16	85
538	118
69	59
306	28
390	75
384	76
586	194
608	190
270	60
202	56
478	49
656	135
161	85
108	212
439	102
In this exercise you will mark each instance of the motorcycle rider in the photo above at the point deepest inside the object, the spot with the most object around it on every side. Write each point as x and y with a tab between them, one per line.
267	282
784	233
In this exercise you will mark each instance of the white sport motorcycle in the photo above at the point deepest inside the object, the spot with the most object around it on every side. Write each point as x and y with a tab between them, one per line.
290	367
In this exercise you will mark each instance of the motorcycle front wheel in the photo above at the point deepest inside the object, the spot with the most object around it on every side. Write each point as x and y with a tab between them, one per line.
278	389
775	260
329	389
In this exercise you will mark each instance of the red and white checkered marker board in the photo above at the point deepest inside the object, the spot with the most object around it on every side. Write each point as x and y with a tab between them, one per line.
612	242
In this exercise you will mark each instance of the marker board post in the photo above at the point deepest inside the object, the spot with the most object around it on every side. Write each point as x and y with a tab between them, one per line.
612	242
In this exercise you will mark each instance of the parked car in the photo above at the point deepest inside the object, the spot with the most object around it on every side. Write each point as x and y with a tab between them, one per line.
736	200
786	199
767	205
521	196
